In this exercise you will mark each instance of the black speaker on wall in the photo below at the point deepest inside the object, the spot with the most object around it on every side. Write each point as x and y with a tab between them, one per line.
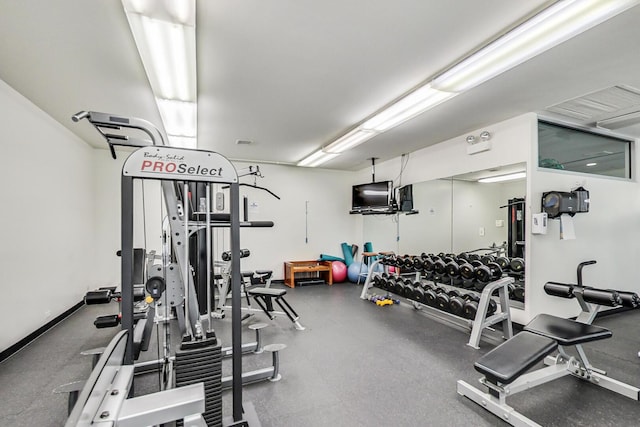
405	198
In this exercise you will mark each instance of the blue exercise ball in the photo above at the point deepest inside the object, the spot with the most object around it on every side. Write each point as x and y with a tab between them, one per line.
355	269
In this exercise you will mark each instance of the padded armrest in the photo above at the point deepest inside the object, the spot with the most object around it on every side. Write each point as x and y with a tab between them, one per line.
567	332
515	356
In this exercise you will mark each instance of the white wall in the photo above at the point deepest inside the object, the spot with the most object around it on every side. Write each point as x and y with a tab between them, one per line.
47	219
106	209
429	231
302	230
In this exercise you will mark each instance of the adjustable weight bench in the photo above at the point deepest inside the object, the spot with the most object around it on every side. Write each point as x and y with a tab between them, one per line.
506	367
264	296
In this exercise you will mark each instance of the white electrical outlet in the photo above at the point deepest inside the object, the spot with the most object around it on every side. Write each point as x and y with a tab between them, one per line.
499	222
481	231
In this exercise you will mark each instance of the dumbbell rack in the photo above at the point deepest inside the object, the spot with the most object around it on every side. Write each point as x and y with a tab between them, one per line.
482	319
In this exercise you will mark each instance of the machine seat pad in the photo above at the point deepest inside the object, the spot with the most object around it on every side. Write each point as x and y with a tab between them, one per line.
247	273
269	292
567	332
263	272
515	356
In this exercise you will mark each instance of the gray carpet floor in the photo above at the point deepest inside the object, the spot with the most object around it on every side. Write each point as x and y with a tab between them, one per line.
356	364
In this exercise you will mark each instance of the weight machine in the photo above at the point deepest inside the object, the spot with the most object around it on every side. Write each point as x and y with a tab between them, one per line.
171	284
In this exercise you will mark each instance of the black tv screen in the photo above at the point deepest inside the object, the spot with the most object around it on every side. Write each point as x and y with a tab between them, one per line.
374	195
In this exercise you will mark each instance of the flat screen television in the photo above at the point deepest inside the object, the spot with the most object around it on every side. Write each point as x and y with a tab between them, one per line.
372	196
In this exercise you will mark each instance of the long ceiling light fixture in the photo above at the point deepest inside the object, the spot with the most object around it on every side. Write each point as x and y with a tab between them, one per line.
557	23
552	26
165	35
501	178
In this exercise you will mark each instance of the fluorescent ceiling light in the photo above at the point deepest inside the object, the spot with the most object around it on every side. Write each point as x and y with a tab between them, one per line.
406	108
164	33
591	164
500	178
167	50
183	141
179	117
552	26
316	159
350	140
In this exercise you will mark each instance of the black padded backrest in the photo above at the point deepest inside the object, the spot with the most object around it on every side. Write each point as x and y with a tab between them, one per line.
562	290
607	297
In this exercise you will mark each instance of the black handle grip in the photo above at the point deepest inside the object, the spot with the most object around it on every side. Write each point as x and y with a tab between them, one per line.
580	267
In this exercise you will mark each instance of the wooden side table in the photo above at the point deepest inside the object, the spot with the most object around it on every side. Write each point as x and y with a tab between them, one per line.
291	268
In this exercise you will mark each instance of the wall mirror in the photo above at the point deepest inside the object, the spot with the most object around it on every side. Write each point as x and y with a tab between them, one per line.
488	210
456	214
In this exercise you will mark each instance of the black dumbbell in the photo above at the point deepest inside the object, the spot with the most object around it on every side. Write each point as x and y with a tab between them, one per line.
456	303
428	266
464	256
440	268
409	289
430	295
471	308
473	257
516	265
398	286
407	263
377	281
443	300
488	273
486	259
467	271
503	262
418	265
518	293
452	269
418	292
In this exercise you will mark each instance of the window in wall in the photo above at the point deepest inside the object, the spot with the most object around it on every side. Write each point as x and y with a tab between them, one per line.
565	148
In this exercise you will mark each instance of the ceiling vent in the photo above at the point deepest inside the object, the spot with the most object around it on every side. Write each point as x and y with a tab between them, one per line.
243	142
603	104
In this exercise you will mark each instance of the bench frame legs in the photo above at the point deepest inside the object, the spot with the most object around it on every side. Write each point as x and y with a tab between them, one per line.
494	400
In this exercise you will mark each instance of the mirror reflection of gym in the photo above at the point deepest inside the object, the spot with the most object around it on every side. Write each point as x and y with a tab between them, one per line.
458	214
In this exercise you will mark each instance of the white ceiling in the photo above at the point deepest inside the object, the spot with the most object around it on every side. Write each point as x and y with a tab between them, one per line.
291	75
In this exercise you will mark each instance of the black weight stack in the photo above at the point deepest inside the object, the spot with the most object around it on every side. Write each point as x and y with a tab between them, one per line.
201	361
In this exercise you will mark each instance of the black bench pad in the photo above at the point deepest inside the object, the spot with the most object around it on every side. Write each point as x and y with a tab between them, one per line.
515	356
267	292
566	332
